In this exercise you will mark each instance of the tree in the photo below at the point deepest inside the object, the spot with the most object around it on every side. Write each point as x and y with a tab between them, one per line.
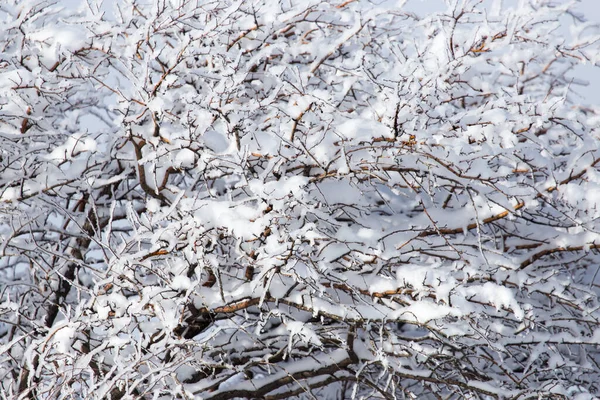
281	199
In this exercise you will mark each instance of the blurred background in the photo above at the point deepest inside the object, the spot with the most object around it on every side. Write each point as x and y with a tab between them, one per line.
586	78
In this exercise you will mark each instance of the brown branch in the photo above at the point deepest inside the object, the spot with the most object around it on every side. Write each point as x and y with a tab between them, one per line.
297	120
168	72
571	178
159	252
316	64
118	93
473	225
254	301
345	3
25	125
504	214
379	295
548	252
241	36
260	391
142	171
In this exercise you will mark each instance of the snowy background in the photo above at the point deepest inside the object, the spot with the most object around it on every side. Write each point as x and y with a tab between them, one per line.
590	9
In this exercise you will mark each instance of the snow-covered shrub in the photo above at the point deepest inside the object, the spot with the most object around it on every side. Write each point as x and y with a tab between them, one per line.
279	198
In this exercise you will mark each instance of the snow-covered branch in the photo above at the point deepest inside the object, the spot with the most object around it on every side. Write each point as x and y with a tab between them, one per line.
297	199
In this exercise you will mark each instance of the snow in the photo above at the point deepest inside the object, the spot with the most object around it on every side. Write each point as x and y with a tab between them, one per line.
73	146
499	296
423	312
63	337
216	141
181	283
304	331
362	130
185	158
221	197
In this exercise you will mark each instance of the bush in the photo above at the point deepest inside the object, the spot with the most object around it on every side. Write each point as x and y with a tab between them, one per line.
297	199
